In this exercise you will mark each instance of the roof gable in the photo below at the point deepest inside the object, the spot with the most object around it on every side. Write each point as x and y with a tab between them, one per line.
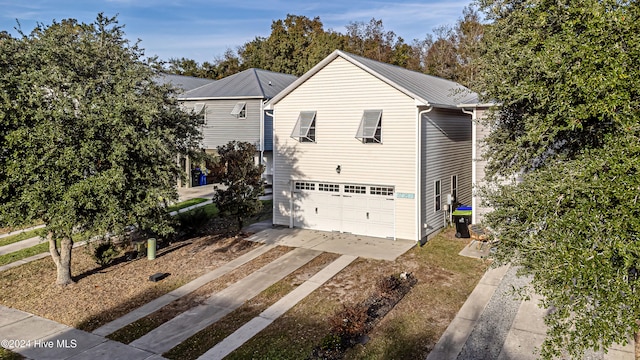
251	83
425	89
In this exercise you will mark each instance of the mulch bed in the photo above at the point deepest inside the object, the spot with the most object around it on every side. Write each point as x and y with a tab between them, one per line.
351	325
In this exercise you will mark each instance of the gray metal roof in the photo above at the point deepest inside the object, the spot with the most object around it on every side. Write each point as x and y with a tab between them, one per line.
251	83
426	89
185	83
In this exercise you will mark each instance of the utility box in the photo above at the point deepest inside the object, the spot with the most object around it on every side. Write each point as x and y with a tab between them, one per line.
462	219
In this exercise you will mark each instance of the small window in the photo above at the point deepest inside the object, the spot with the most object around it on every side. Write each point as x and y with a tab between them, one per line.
355	189
370	129
437	195
305	130
302	185
381	190
240	110
454	188
201	112
329	187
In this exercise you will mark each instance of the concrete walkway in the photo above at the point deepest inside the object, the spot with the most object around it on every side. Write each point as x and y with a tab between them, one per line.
38	338
259	323
20	231
19	245
493	325
183	326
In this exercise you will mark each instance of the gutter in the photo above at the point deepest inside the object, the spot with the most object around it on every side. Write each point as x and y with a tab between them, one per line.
474	172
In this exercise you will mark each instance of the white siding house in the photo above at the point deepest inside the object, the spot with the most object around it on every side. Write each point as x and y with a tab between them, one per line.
369	148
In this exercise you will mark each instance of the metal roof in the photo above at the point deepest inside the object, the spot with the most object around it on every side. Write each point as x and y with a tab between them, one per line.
251	83
185	83
425	89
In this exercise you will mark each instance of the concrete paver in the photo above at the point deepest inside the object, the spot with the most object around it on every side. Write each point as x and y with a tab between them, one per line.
259	323
184	290
183	326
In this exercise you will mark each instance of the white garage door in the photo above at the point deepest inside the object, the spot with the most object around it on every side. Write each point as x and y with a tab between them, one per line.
351	208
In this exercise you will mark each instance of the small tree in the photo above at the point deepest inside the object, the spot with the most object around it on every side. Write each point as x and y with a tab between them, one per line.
88	141
243	181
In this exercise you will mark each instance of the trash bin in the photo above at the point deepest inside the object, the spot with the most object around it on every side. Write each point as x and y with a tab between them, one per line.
203	179
462	218
195	177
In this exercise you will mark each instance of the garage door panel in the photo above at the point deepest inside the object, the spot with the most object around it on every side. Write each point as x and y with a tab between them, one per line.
356	213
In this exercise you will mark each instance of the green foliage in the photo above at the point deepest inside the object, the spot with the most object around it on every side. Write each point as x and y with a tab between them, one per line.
88	139
242	180
104	253
566	77
191	221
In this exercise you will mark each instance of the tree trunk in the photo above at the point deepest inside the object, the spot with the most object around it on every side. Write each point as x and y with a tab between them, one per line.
61	258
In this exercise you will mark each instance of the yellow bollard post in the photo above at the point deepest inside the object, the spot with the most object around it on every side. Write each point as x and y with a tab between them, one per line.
151	249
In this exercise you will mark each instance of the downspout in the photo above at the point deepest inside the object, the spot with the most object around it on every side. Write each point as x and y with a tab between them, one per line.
419	174
474	174
262	134
273	173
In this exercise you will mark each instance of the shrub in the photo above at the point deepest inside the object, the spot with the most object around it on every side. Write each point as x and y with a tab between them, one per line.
349	323
193	220
104	253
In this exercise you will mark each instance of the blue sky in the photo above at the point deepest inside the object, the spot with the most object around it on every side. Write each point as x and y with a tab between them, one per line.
202	30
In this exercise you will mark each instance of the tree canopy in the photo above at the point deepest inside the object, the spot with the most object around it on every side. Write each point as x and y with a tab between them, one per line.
88	140
566	79
297	43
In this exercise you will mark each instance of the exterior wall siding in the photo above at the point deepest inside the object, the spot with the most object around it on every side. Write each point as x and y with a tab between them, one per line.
339	94
222	127
446	147
480	131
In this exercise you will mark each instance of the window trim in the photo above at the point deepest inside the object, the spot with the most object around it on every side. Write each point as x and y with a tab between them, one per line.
437	195
367	133
240	110
200	109
305	129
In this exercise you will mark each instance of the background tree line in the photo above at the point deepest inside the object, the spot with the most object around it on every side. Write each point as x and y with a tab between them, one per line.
297	43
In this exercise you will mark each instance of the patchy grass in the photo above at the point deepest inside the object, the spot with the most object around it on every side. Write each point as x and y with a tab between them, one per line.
24	253
199	343
21	236
409	331
185	204
9	355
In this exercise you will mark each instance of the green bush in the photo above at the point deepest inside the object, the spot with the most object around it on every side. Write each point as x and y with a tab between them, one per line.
104	253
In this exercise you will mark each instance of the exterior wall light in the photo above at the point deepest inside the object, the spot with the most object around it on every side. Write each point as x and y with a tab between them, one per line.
338	169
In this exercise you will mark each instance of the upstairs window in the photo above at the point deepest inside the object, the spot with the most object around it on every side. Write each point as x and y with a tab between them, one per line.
305	129
370	129
240	110
200	110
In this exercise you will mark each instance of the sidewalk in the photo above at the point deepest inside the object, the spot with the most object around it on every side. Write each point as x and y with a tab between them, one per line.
493	325
38	338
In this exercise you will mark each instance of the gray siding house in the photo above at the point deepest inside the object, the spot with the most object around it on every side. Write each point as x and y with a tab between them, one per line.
233	109
370	148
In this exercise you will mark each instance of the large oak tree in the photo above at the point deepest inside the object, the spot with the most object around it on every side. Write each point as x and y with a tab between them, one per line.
566	77
88	140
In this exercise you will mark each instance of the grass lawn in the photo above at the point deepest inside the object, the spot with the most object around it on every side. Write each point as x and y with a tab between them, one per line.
184	204
21	236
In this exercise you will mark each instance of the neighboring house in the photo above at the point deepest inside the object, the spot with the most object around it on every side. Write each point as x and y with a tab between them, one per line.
185	83
370	148
232	108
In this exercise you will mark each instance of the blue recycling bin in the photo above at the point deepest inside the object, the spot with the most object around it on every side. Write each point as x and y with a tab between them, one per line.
203	179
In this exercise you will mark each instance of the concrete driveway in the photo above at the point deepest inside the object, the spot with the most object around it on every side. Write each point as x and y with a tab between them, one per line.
334	242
